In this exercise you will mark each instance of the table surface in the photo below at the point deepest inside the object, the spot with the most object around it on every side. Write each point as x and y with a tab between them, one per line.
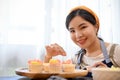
26	78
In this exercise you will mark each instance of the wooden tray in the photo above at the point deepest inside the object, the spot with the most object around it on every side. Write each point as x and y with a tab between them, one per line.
25	72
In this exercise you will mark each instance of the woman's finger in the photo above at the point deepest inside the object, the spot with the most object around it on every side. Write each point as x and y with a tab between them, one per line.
99	64
60	50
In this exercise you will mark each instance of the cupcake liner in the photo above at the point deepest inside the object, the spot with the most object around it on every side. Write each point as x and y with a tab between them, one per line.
35	68
55	68
68	67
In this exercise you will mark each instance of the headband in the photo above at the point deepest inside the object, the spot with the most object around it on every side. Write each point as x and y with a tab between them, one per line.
90	11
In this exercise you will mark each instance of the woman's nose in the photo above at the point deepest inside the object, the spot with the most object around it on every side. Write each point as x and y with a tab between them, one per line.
78	34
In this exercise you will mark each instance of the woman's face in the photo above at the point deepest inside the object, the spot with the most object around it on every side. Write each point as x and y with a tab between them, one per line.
82	32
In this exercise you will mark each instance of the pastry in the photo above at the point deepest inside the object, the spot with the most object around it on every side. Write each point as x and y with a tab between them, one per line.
68	66
35	66
55	66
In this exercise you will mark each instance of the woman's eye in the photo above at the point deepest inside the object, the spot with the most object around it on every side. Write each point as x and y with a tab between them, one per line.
72	31
83	27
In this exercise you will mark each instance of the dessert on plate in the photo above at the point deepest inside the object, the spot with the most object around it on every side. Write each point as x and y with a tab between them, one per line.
68	66
35	66
46	67
55	66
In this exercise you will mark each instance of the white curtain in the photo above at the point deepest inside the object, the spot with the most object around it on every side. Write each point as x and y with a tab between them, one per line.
26	26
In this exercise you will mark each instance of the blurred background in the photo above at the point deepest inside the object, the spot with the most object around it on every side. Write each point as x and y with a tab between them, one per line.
26	26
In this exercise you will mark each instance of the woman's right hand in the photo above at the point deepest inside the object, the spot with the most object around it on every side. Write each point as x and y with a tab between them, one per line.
54	50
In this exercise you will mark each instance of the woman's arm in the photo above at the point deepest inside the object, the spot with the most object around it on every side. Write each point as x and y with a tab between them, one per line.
47	58
116	55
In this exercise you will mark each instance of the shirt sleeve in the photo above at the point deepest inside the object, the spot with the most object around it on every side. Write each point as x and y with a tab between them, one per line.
116	55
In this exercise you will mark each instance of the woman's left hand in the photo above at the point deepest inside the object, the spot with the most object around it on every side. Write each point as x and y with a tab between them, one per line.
99	64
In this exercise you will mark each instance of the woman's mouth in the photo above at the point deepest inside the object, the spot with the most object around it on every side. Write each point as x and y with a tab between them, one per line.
81	42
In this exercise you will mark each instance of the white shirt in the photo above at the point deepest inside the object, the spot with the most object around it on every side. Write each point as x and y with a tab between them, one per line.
91	60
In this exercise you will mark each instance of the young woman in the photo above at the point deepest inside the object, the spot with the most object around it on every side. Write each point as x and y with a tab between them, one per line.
83	25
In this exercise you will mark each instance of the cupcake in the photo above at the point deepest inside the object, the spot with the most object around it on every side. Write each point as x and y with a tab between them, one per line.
68	66
35	66
55	66
46	67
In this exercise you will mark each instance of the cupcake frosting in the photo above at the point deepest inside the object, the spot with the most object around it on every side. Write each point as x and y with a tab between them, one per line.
54	61
35	62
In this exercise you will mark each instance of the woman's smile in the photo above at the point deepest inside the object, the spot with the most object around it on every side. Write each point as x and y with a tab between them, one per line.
81	41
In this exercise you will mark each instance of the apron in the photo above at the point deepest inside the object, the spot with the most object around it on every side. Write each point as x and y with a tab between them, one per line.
106	61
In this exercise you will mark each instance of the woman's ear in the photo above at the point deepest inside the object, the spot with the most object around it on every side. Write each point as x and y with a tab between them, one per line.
96	29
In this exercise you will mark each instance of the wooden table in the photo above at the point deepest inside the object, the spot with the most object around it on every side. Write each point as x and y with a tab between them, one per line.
26	78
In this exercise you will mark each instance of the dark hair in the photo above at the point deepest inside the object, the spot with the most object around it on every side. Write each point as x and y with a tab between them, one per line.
80	12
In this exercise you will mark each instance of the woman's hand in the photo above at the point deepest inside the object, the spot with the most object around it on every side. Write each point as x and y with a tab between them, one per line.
99	64
53	50
96	65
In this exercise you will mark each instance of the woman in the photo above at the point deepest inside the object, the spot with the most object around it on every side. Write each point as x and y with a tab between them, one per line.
83	25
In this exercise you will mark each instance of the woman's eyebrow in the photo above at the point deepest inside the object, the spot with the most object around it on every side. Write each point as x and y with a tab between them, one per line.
81	24
71	28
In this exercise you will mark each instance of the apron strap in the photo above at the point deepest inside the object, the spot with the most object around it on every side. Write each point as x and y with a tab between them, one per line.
106	56
79	59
